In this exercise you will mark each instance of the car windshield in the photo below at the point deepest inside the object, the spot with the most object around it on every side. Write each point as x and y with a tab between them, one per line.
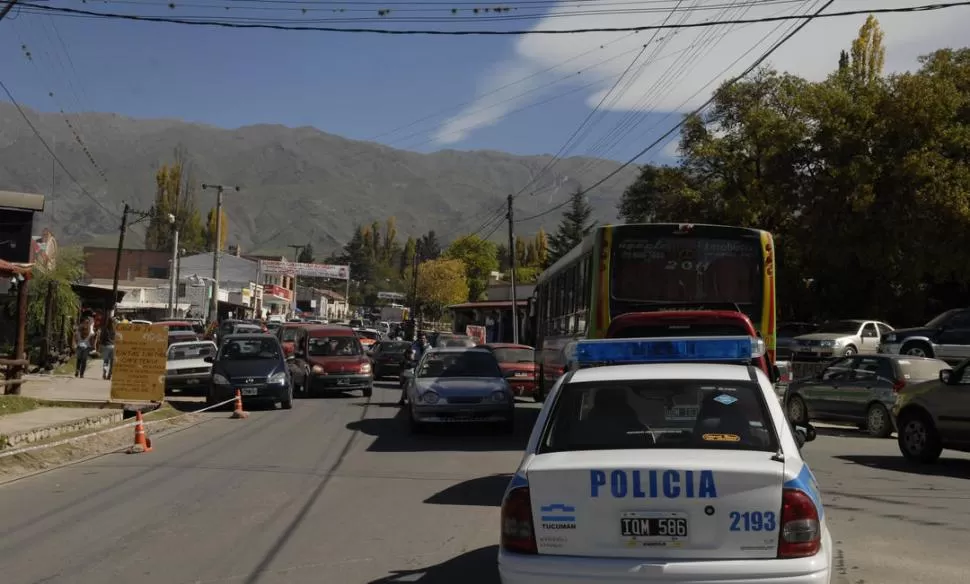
463	364
289	334
681	329
334	346
841	327
395	347
940	319
246	349
514	355
691	414
915	370
246	328
191	351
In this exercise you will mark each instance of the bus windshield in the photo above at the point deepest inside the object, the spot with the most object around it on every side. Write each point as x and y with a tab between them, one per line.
687	269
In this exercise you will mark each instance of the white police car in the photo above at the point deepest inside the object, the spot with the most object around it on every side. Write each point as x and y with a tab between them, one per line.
679	468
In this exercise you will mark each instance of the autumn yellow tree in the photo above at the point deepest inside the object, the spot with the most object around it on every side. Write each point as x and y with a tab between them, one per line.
440	283
542	248
210	231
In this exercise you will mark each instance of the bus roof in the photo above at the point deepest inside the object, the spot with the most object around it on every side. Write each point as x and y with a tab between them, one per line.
588	241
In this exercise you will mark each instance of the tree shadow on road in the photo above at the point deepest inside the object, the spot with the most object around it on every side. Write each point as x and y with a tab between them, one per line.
475	567
484	491
394	435
957	468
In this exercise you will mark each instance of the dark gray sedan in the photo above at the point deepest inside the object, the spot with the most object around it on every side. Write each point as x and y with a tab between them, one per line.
859	389
458	384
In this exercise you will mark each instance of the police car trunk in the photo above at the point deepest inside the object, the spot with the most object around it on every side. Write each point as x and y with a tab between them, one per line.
686	465
667	504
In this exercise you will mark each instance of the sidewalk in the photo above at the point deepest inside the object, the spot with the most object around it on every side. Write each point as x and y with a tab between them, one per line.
62	388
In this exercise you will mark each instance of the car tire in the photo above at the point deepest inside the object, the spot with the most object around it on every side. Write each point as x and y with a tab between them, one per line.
918	438
796	410
367	391
917	349
879	424
287	404
849	351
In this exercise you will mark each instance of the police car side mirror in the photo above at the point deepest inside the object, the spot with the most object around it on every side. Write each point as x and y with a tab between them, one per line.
804	432
945	375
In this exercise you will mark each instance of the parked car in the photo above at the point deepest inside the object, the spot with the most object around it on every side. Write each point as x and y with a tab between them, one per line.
786	333
330	358
860	389
389	358
947	337
840	338
187	368
177	325
935	415
182	337
254	364
368	337
518	364
459	384
286	333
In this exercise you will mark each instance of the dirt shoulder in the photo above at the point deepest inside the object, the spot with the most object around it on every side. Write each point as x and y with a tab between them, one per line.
84	445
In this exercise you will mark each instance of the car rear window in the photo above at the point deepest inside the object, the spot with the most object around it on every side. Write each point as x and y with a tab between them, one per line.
289	333
690	414
510	355
369	335
920	369
193	351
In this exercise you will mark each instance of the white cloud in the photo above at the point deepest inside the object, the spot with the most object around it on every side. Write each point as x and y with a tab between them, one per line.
679	68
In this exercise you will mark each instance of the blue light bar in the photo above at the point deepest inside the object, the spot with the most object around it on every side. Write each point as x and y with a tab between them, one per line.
668	350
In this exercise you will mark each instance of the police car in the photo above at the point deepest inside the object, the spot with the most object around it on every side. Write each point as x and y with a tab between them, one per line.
665	460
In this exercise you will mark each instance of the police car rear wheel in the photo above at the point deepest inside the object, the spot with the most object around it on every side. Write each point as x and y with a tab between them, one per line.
918	438
797	412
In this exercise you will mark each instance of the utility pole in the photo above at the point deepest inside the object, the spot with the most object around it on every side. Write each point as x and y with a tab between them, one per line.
414	292
173	277
515	307
297	249
217	249
142	215
7	8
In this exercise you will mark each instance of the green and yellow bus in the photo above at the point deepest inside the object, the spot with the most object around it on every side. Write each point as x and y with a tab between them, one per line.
646	268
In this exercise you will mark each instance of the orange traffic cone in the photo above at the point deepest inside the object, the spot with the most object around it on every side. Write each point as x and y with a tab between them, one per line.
238	413
142	443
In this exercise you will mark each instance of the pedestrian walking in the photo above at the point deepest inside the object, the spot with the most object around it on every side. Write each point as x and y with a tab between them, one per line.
83	342
107	348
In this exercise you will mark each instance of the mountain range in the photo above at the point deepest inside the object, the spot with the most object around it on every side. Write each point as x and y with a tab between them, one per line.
297	185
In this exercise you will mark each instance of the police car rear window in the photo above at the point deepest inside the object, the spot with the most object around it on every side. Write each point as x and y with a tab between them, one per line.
688	414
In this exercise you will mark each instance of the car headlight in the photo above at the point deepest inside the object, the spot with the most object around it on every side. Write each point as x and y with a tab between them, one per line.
219	379
365	369
318	370
890	338
277	378
430	397
498	396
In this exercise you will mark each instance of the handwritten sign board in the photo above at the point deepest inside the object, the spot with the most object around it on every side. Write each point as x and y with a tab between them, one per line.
141	351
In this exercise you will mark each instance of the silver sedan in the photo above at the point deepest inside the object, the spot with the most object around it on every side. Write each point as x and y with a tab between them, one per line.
458	384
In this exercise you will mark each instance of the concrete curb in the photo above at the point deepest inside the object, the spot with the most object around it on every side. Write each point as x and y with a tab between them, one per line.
32	435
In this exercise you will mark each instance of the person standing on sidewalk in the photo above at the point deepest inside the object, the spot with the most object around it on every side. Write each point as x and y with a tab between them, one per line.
83	341
107	348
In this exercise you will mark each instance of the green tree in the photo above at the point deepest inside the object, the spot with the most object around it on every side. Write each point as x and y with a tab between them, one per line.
390	245
209	235
306	254
406	260
175	195
504	259
575	225
480	258
429	248
521	251
441	282
542	249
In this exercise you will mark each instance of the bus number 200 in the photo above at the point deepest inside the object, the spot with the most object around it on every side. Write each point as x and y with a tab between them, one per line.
688	266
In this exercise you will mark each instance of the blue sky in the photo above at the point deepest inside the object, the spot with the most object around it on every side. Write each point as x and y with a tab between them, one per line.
365	86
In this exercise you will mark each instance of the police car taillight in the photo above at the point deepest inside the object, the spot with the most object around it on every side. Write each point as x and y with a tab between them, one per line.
518	532
801	532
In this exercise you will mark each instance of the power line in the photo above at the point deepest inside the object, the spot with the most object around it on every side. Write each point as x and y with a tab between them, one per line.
51	150
764	56
519	32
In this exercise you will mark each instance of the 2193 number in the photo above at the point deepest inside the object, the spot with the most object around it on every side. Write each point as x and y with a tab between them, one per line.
753	521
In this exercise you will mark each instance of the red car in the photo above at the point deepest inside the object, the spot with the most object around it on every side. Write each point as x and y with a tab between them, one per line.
518	365
329	359
287	333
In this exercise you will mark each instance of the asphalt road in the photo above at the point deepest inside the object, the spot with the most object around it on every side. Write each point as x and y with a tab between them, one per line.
336	490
